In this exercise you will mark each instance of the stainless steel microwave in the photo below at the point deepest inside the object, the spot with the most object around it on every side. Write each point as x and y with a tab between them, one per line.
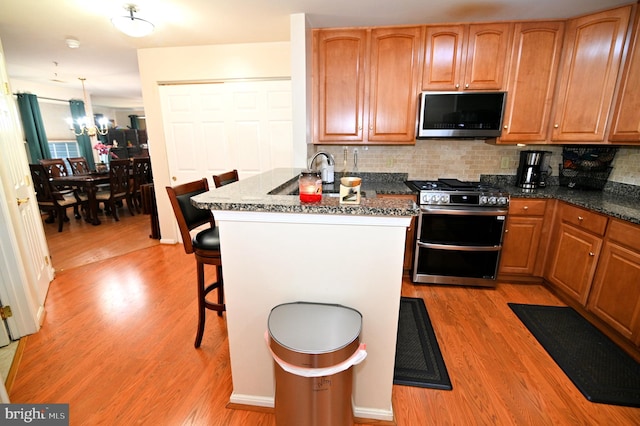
475	115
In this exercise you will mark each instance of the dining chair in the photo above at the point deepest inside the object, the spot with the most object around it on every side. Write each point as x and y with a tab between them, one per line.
205	245
56	167
50	199
79	165
118	189
225	178
141	176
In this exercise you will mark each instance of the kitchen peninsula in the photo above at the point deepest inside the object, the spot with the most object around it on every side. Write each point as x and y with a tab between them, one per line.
277	250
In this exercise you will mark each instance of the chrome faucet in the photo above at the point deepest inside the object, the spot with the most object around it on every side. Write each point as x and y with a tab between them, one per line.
330	159
327	172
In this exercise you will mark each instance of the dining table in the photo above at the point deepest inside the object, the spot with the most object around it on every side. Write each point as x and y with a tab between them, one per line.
89	183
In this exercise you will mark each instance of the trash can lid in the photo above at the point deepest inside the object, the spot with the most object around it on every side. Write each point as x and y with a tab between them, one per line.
314	328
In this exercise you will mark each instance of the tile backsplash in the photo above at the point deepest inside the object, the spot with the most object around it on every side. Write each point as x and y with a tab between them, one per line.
462	159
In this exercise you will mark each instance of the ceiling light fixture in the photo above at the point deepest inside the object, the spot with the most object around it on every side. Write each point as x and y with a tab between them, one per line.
130	25
85	125
72	42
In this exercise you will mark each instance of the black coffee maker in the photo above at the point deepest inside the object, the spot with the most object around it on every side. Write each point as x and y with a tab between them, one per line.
530	173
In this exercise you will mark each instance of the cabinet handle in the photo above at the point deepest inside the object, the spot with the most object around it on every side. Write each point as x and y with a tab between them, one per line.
22	201
555	126
506	127
173	178
506	230
526	207
591	254
466	86
457	86
580	218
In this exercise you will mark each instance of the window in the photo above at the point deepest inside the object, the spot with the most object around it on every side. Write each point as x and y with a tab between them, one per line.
64	149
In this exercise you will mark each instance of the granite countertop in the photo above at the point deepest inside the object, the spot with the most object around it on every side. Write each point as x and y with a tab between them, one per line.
619	201
270	192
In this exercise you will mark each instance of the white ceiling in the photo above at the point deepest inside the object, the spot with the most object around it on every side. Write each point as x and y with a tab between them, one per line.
33	32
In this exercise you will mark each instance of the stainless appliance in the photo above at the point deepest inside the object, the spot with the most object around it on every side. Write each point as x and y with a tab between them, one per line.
461	115
545	169
531	169
459	232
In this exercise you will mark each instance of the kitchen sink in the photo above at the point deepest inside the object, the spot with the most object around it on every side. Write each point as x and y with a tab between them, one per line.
329	193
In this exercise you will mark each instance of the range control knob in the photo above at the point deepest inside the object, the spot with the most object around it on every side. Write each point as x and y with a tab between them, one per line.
493	201
503	201
483	200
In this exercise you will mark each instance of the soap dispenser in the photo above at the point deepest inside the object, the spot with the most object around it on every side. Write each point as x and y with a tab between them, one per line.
327	171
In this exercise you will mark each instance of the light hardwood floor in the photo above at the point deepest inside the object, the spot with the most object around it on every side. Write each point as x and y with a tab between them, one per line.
117	345
81	243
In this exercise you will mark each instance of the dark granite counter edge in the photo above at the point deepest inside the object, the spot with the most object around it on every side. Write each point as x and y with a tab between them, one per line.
269	192
617	200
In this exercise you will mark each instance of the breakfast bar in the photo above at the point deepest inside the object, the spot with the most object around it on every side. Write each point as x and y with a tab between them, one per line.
277	250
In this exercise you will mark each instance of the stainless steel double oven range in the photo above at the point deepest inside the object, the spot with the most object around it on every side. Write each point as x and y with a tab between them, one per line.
459	232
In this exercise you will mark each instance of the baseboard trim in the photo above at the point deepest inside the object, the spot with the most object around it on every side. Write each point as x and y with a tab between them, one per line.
15	364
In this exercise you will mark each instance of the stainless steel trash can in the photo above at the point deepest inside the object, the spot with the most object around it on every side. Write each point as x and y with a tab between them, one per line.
314	346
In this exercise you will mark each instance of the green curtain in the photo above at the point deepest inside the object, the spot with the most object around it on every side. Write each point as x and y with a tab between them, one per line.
134	121
33	126
84	141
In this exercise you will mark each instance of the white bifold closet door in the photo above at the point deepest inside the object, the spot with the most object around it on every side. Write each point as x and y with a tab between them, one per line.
211	128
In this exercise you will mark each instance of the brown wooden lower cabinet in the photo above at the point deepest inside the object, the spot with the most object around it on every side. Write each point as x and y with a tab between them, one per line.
522	238
594	266
409	245
615	294
575	248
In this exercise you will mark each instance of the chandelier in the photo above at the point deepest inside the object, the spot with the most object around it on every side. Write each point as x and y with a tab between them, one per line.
87	127
131	25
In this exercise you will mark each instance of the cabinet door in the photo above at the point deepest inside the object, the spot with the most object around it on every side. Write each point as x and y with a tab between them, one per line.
574	261
466	57
487	56
616	289
443	50
535	55
615	297
520	245
626	119
592	51
339	82
393	88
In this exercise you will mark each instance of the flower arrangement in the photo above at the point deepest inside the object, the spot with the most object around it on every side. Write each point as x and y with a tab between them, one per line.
104	150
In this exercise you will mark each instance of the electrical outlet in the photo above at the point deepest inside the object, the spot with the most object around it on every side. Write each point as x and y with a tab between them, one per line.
504	163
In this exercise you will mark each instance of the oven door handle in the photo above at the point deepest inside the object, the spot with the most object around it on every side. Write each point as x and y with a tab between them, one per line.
464	211
458	248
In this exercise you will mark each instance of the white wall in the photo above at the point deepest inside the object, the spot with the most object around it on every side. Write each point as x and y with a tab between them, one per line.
197	64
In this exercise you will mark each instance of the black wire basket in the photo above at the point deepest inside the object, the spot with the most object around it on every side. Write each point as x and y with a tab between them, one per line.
586	167
584	179
588	158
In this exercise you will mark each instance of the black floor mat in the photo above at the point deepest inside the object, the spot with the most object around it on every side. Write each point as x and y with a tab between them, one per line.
418	358
602	371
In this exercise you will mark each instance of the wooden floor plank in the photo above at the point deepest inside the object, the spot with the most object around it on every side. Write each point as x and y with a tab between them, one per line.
117	345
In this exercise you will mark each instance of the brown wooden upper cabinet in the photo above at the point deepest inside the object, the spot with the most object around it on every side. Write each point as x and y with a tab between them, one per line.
626	113
339	77
466	57
535	58
592	54
366	85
